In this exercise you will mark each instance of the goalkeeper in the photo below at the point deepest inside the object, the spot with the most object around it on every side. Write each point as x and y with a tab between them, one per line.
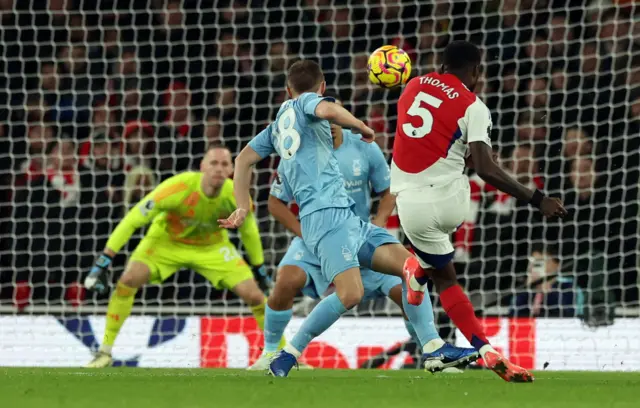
184	234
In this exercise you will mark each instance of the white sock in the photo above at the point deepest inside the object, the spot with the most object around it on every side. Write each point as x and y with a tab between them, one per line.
485	349
105	348
432	345
291	350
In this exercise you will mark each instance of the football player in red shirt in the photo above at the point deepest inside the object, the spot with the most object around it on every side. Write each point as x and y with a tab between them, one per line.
441	122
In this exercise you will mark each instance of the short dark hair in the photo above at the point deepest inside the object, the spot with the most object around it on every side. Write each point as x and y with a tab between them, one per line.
304	76
461	56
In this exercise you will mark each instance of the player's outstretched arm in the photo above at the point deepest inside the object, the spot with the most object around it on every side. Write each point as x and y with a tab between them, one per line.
167	196
335	113
493	174
241	187
284	216
164	197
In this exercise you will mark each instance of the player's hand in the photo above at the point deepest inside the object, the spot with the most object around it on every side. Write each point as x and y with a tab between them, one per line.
368	134
263	278
552	207
235	220
97	279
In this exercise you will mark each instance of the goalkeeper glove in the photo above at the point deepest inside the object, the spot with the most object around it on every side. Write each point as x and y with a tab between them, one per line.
262	277
97	279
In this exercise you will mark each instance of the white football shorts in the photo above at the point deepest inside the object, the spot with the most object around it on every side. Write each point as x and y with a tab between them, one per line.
429	215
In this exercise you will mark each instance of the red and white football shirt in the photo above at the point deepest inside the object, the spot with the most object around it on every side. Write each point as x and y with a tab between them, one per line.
437	116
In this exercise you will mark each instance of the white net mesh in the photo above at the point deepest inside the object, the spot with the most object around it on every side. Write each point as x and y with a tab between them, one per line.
101	100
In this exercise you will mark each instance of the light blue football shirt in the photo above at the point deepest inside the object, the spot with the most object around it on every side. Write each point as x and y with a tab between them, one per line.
363	168
303	142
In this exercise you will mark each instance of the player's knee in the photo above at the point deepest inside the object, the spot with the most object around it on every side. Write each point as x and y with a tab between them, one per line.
249	292
389	259
289	282
349	287
290	279
351	297
136	275
252	294
254	297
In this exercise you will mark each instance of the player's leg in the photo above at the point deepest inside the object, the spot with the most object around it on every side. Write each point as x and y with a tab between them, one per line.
395	294
383	253
429	334
251	294
348	294
223	266
119	309
298	271
294	274
377	285
461	312
148	263
291	279
428	226
337	252
437	355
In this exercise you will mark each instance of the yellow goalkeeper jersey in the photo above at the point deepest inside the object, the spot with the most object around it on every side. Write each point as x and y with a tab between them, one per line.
181	212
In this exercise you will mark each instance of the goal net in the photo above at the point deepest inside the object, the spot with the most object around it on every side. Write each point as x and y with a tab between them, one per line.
102	100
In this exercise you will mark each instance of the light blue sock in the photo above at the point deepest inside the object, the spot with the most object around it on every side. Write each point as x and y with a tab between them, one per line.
412	332
326	313
275	321
421	317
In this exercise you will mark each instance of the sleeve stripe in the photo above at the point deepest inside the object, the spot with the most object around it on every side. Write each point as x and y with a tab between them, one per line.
169	191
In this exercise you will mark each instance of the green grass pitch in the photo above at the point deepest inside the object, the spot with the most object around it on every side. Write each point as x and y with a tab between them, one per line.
213	388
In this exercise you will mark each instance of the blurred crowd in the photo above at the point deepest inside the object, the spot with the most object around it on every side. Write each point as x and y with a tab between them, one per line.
100	101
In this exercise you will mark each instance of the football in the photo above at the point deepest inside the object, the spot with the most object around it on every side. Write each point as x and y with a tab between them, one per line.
389	66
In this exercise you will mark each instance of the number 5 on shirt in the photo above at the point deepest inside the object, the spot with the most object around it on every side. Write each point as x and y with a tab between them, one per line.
417	110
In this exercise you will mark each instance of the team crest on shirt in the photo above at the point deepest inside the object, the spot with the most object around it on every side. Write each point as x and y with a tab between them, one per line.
298	256
357	168
346	253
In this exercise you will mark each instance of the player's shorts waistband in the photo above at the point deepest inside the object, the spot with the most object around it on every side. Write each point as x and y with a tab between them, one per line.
436	186
350	207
